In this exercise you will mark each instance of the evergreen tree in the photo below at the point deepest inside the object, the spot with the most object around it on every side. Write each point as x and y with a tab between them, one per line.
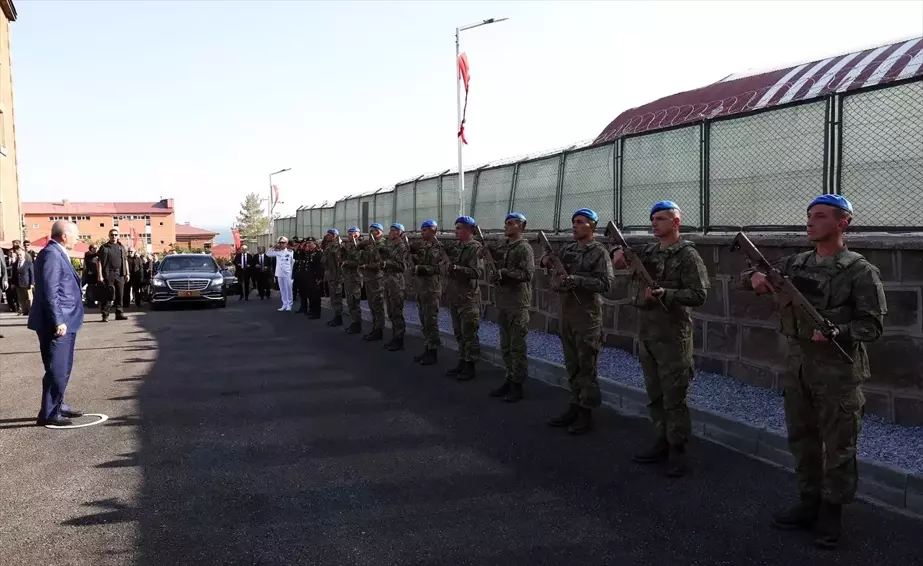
252	220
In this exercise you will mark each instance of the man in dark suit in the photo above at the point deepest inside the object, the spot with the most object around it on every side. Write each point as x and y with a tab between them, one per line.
263	268
113	269
22	279
56	317
135	280
91	275
4	282
243	265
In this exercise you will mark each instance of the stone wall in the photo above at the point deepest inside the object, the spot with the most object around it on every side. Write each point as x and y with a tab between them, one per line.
736	331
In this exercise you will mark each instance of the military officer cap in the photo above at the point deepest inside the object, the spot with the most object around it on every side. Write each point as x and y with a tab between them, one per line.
282	240
429	223
832	200
586	213
466	220
398	225
333	231
377	226
296	240
515	216
310	239
663	205
353	230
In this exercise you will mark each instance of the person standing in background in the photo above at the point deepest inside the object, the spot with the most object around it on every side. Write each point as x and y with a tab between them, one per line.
312	278
333	274
394	254
22	278
113	270
91	275
56	319
4	283
262	272
242	271
463	293
283	256
352	280
135	279
370	263
427	268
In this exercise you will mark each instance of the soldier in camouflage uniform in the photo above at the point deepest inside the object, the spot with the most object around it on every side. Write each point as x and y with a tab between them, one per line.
823	391
665	331
427	268
463	294
394	254
589	276
333	275
372	275
515	264
352	280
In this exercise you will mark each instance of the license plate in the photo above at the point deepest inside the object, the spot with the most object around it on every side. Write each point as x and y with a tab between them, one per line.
189	293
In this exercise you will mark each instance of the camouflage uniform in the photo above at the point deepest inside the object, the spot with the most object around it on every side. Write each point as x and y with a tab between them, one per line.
516	264
352	280
665	336
429	291
823	393
370	259
393	254
333	274
581	323
463	294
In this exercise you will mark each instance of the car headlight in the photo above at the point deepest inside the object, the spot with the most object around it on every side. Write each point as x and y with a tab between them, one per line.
158	282
218	280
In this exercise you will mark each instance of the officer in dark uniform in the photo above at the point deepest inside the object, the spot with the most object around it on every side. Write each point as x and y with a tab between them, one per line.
295	243
113	269
135	279
91	275
311	278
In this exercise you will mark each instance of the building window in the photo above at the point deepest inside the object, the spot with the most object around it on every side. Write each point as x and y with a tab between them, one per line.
147	238
102	224
35	226
147	220
161	225
115	221
161	241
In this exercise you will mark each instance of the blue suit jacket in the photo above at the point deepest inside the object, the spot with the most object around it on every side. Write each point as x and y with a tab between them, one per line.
23	276
57	298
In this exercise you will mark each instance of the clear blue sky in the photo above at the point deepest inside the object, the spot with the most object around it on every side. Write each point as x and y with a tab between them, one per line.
199	101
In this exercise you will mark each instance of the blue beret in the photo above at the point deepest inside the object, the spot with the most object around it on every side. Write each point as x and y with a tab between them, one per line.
515	216
430	223
663	205
467	220
833	200
354	229
378	227
398	225
587	213
333	231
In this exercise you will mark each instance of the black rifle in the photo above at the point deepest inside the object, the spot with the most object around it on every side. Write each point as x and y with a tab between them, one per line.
634	262
559	268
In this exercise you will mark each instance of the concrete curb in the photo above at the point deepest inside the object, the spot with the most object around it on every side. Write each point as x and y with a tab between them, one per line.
879	484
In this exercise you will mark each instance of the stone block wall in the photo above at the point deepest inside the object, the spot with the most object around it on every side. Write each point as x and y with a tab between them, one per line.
736	332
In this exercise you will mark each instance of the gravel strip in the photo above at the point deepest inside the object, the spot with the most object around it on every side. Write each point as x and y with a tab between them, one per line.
879	440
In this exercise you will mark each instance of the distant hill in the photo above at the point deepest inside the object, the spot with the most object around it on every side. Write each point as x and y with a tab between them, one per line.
224	234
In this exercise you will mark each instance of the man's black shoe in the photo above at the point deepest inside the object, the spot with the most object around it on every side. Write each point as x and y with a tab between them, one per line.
396	344
54	421
72	413
354	328
121	317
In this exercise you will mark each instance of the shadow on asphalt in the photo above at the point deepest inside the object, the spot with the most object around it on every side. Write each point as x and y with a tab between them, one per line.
267	438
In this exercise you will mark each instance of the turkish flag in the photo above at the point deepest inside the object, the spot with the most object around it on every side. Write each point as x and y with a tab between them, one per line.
134	238
275	189
236	234
465	76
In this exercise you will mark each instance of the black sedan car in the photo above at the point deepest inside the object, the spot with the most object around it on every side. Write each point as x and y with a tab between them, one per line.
231	282
188	278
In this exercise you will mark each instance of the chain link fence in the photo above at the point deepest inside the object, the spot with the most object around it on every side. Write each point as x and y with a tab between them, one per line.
756	170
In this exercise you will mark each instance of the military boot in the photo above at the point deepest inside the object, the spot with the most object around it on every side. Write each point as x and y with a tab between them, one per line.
568	418
455	371
373	336
800	517
337	320
429	358
396	344
515	393
657	453
467	372
583	423
354	328
677	467
419	357
829	525
503	389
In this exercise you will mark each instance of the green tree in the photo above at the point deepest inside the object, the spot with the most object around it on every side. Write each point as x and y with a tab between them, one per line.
252	220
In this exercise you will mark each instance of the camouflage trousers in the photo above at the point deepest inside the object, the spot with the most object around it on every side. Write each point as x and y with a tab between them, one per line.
375	293
823	418
581	338
514	326
394	300
353	286
335	288
429	290
466	320
668	371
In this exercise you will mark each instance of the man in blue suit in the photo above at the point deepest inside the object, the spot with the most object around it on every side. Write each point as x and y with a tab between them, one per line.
57	315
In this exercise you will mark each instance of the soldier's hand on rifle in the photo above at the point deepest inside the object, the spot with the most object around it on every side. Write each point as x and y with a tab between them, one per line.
760	283
618	259
654	294
482	252
544	261
497	276
569	282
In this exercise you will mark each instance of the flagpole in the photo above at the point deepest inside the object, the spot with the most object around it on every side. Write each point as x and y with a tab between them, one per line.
458	109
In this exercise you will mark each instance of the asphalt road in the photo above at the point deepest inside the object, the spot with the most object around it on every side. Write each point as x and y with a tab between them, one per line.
249	436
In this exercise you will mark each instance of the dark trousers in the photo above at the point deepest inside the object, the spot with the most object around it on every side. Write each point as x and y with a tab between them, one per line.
11	298
310	295
262	281
132	291
112	293
244	279
58	359
93	292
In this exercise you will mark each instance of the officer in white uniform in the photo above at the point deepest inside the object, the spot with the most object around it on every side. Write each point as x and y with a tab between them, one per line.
284	263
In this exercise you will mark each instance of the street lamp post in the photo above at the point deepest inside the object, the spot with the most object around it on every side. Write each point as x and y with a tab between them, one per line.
458	108
270	205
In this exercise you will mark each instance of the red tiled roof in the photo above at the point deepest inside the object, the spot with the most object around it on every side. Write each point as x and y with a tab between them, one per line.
191	231
39	244
744	92
97	208
223	250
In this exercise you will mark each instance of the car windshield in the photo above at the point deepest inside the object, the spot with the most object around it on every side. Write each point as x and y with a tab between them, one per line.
204	264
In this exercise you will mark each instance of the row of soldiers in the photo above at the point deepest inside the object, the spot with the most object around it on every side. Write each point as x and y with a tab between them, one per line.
823	398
